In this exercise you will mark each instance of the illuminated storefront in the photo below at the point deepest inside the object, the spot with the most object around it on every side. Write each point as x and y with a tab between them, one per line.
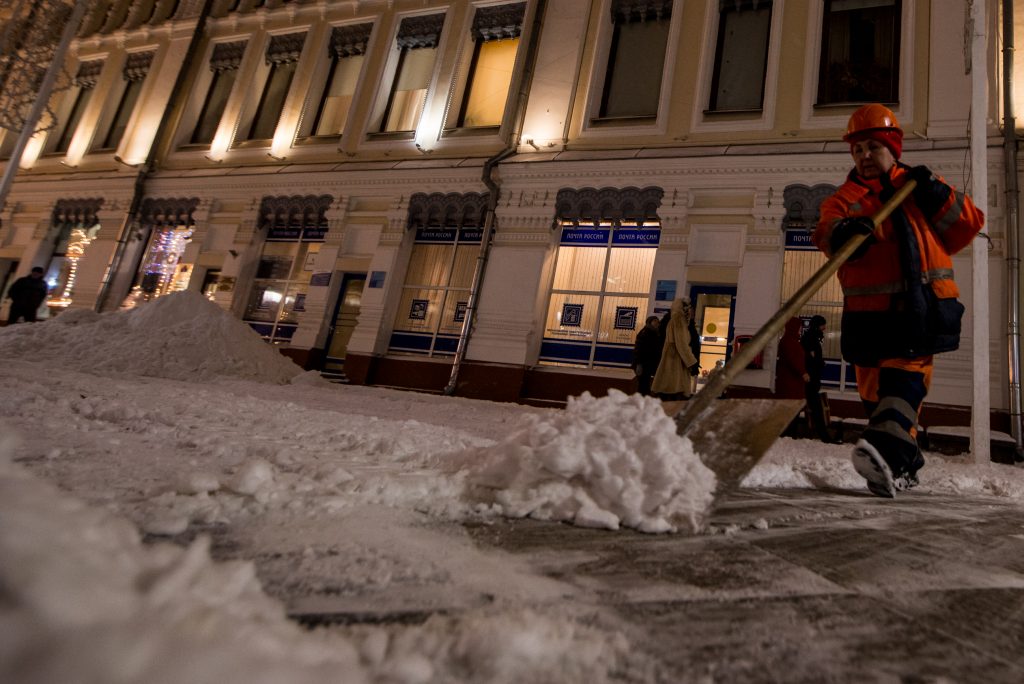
294	229
75	225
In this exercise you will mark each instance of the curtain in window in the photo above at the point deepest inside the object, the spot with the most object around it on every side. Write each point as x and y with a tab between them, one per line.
636	59
282	55
224	63
742	54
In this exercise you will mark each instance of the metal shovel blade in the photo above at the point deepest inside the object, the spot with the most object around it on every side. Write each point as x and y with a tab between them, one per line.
732	435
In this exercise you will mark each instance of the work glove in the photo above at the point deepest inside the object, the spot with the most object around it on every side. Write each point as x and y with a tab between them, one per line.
694	369
930	193
849	227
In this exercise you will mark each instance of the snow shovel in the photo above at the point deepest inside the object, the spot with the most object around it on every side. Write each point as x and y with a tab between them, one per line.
731	435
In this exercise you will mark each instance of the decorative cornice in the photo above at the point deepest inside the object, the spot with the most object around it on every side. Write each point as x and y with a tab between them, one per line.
447	209
498	22
350	40
75	211
626	11
610	204
176	211
802	203
137	64
285	49
420	32
279	210
88	73
227	56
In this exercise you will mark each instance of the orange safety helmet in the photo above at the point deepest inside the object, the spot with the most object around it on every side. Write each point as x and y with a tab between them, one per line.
871	117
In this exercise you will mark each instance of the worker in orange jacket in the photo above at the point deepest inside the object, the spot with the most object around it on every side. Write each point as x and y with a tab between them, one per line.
900	302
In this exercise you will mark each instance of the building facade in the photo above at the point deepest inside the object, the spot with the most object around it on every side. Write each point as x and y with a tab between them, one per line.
489	196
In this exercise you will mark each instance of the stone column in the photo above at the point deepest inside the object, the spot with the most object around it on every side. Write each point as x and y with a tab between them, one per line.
94	268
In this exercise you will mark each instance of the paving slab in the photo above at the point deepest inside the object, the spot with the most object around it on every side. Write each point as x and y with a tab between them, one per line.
808	586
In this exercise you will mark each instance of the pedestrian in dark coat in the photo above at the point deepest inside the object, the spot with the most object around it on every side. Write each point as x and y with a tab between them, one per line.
814	363
789	366
647	354
27	294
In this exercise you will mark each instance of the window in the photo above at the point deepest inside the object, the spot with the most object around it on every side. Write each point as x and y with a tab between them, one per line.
599	296
346	50
741	57
435	294
436	290
495	33
135	69
636	59
169	225
417	50
800	261
295	232
224	63
76	227
282	58
7	143
79	96
860	52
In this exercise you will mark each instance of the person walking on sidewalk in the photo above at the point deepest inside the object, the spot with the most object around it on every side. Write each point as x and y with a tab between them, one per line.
814	365
678	365
647	355
900	302
27	294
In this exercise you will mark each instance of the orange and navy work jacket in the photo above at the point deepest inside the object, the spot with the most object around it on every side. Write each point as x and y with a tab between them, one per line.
870	282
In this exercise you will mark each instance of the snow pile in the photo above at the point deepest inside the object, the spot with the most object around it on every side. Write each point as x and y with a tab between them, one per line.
93	604
182	336
600	463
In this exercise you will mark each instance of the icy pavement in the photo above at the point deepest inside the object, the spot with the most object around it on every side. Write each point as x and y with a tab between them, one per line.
187	518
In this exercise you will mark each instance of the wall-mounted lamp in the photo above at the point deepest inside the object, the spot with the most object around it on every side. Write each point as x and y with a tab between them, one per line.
529	141
275	157
422	149
70	166
214	160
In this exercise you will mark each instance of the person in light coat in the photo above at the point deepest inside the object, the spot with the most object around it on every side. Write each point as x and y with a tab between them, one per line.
674	379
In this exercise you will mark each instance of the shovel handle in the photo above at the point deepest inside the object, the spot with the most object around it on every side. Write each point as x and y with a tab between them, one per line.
722	379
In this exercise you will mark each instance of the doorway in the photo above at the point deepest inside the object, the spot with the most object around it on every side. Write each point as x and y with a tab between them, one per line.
346	313
714	308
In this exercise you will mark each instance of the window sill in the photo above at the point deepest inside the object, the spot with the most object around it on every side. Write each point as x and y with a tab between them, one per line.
854	103
726	112
318	140
469	131
622	121
391	135
259	142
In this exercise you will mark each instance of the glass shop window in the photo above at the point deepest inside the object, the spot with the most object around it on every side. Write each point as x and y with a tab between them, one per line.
600	294
279	292
162	271
435	294
62	273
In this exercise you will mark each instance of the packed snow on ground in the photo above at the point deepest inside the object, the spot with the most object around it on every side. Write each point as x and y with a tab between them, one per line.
162	508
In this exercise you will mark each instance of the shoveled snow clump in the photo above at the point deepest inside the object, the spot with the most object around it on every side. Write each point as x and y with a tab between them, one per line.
602	462
182	336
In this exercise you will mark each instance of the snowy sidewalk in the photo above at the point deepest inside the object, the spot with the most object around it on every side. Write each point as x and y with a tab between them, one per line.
810	586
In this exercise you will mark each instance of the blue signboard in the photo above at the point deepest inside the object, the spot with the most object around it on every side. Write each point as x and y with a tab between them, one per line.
636	237
585	236
800	240
320	279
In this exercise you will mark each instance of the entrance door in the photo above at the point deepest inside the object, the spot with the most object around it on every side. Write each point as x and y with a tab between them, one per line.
345	316
713	309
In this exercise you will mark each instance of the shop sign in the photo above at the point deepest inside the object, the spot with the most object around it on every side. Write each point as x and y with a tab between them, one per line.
585	236
800	240
634	237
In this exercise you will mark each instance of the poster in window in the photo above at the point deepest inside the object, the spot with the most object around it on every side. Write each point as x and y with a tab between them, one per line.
625	318
572	315
300	302
418	310
460	311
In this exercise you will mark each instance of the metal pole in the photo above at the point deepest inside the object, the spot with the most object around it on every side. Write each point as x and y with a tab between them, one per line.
981	429
42	98
1012	231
